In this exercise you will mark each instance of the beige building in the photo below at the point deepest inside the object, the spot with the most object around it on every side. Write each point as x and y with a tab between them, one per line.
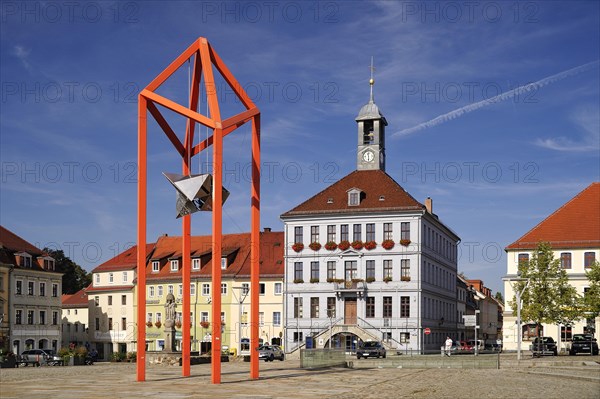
75	319
32	295
573	231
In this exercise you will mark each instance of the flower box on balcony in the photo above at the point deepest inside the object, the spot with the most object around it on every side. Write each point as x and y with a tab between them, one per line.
298	281
387	279
335	280
314	280
344	245
357	245
149	324
405	278
369	245
204	324
298	247
315	246
330	246
388	244
370	279
178	324
158	324
405	242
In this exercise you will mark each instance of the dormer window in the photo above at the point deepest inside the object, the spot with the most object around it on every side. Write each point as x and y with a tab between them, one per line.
155	266
196	264
382	198
174	265
24	259
224	263
330	200
354	197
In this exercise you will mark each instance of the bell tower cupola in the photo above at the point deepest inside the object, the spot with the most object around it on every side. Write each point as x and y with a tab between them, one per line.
371	134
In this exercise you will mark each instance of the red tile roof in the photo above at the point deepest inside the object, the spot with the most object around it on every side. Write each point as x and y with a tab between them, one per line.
379	193
235	246
576	224
76	300
11	244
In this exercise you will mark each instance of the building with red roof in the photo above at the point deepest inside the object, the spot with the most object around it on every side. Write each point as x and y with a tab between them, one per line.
573	231
30	289
75	319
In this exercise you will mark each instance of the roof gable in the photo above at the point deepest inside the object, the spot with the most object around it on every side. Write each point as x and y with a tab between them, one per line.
576	224
379	193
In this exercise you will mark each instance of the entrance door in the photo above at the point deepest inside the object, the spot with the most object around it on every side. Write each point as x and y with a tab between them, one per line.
350	311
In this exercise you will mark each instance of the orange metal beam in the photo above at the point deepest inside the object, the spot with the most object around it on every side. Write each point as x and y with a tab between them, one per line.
231	80
141	240
180	109
168	71
162	122
255	246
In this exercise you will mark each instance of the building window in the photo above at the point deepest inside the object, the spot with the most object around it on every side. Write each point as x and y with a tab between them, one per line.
353	198
97	324
174	265
96	301
205	289
277	318
344	232
30	317
151	291
331	265
404	306
405	269
123	299
370	231
196	264
530	331
123	324
565	260
54	318
370	275
111	278
124	277
192	289
588	259
110	324
170	289
404	338
159	316
18	316
314	233
223	288
54	290
314	272
262	289
278	288
331	233
523	259
159	291
405	231
370	307
261	318
298	307
155	266
387	231
224	263
97	279
180	290
297	336
387	306
245	288
42	289
331	307
566	333
350	270
314	308
387	269
356	232
30	288
110	300
19	287
149	318
298	271
298	234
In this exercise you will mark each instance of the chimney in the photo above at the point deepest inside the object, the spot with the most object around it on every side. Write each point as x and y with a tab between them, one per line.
267	229
429	205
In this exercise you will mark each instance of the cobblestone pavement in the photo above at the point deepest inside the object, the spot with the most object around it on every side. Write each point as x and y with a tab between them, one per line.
530	379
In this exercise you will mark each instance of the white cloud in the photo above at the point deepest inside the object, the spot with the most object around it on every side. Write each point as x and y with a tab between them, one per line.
22	54
588	120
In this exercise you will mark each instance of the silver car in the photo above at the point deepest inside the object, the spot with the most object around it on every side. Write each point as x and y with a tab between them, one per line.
268	353
38	357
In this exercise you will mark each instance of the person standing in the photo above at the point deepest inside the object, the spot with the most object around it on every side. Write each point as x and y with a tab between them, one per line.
448	345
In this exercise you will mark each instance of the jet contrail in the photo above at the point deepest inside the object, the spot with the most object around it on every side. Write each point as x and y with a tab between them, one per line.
500	97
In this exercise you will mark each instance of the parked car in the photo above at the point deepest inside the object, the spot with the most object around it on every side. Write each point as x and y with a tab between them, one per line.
543	346
480	344
268	353
465	346
38	357
371	349
583	343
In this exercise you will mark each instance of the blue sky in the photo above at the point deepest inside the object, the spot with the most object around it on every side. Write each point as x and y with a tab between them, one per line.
71	71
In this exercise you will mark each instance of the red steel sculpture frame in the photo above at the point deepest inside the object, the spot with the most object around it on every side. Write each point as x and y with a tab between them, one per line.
203	57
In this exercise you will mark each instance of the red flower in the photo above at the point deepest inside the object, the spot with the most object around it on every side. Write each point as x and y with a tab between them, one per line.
343	245
298	247
330	245
357	244
315	246
388	244
405	242
369	245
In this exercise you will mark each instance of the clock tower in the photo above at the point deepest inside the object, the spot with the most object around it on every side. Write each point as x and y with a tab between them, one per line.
371	135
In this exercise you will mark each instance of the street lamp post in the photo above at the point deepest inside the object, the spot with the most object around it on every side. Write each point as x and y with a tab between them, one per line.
518	294
240	300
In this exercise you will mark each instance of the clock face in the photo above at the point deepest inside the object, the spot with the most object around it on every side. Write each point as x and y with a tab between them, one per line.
368	156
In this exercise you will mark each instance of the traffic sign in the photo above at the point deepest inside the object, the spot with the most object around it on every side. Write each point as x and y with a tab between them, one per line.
427	331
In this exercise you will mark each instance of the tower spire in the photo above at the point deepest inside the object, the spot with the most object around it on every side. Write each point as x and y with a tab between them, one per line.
371	81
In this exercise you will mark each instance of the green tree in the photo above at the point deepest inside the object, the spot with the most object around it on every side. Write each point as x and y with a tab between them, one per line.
74	277
548	298
499	297
591	299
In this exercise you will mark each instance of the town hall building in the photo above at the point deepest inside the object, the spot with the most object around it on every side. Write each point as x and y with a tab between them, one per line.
367	261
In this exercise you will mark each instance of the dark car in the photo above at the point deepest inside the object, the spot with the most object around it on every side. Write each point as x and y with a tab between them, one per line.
543	346
371	349
583	343
268	353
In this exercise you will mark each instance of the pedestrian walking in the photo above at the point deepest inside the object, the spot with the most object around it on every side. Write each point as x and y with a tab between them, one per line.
448	345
